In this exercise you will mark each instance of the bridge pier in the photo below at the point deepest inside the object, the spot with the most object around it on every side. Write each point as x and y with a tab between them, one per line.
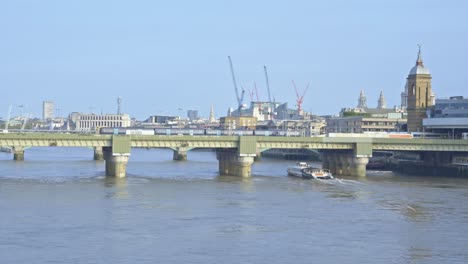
98	153
232	163
180	154
258	157
18	153
344	163
116	163
359	166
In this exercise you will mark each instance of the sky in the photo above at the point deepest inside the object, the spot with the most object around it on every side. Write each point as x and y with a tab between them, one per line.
166	57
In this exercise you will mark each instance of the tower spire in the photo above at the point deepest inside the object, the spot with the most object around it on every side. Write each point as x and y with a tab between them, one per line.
362	100
381	103
419	60
212	115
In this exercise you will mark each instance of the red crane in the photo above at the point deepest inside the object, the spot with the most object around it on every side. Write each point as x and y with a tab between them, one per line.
299	98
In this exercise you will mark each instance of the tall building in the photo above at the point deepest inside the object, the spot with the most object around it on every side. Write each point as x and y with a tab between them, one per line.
47	110
419	96
192	114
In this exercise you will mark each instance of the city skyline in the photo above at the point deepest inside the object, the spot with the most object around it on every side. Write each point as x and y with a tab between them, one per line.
162	57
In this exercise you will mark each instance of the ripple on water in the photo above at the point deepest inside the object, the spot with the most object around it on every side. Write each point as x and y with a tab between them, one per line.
411	211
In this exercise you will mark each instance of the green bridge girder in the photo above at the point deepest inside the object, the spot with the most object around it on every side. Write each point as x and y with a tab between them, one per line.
246	145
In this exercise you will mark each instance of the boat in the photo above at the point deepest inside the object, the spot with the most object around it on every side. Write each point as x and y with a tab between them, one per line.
304	170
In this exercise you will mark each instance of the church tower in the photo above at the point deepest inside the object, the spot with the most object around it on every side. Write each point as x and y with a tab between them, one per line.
381	104
419	94
362	101
212	115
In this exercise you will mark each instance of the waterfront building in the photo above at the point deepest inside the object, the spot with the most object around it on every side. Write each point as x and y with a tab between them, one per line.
261	110
365	119
361	124
448	117
419	94
238	122
161	119
47	110
308	127
92	122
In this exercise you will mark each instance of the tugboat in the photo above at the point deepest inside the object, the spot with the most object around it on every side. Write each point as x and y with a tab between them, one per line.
304	170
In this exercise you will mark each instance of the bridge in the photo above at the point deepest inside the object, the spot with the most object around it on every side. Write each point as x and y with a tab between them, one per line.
343	155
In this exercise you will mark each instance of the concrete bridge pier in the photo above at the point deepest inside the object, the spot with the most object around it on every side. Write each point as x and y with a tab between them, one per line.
342	163
98	153
180	154
258	157
325	160
232	163
116	164
18	153
359	166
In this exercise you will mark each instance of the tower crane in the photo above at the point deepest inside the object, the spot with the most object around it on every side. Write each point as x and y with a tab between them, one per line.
258	99
8	119
299	98
240	98
267	83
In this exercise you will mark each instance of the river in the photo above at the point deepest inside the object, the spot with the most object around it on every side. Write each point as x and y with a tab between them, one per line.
58	207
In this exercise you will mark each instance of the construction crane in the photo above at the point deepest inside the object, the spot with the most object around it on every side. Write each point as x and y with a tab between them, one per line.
25	120
258	99
267	83
251	94
299	98
8	119
240	98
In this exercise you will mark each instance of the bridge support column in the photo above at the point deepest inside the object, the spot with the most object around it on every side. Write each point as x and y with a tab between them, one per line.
98	153
325	160
359	166
258	157
116	164
18	153
231	163
180	154
342	163
332	163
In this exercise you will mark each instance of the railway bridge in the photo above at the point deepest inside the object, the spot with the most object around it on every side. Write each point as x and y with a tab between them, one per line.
343	155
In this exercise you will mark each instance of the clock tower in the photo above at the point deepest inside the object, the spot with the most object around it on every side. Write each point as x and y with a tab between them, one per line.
420	96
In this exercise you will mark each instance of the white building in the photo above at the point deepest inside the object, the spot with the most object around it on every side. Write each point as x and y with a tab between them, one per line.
90	122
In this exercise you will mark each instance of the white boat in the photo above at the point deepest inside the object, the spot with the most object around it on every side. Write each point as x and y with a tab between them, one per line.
304	170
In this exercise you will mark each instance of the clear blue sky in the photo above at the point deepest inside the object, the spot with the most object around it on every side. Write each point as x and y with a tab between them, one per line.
160	56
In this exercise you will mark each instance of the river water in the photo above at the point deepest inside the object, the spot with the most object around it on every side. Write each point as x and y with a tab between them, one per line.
58	207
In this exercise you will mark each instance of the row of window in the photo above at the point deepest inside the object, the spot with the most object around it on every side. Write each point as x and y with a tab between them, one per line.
93	124
99	117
